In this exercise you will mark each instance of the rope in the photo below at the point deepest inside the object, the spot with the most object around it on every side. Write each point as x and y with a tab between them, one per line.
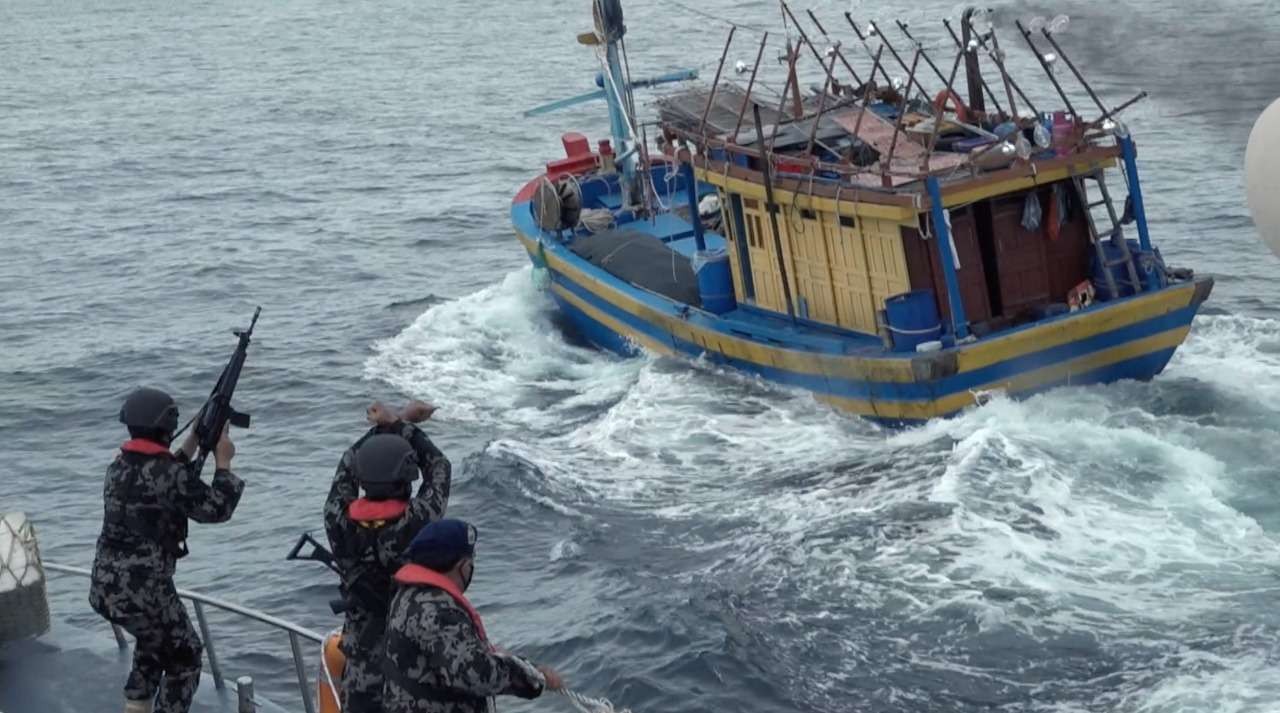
898	330
539	205
21	538
709	16
324	668
626	67
595	220
622	103
584	703
587	704
669	179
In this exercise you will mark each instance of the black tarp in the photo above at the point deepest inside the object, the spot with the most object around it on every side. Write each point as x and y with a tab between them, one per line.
641	259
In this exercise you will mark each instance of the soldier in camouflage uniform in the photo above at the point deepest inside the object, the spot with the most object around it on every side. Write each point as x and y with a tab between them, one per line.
368	535
149	496
438	658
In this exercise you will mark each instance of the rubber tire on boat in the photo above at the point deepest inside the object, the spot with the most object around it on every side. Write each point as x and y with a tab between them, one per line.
557	206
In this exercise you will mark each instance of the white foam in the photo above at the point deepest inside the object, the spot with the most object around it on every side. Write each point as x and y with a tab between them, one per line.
565	550
1243	680
494	357
1236	353
1081	510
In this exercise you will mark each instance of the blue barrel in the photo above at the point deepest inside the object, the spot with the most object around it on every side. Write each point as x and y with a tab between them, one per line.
715	281
912	319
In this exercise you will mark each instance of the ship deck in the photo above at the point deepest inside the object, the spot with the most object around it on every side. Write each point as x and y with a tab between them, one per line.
72	670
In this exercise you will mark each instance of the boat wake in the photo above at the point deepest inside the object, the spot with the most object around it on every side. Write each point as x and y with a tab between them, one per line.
1087	548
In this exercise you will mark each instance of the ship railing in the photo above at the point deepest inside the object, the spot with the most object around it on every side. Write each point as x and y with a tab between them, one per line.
244	684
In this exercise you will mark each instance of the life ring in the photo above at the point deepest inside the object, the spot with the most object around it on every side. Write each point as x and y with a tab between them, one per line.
940	104
329	678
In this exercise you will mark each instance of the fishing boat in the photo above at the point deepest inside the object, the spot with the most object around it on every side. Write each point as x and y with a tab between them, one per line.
897	249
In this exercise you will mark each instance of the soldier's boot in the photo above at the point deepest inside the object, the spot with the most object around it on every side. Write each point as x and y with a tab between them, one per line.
133	706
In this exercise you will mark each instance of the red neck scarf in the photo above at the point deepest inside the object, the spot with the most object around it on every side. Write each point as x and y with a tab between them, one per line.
144	447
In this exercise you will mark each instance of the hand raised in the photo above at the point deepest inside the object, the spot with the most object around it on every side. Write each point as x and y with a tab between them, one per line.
417	411
225	450
378	414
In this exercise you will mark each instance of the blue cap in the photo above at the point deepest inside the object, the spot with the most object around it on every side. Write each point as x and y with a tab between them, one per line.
440	545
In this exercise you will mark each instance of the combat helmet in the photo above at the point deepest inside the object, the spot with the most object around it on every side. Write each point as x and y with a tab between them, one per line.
149	409
385	464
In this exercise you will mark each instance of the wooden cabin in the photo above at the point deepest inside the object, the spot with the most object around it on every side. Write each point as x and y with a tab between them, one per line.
844	259
850	241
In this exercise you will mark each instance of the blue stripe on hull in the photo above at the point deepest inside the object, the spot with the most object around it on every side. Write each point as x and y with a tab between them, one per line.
1141	368
594	332
878	391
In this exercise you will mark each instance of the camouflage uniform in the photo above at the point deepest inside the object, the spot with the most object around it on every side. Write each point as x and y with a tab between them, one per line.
437	662
148	498
368	557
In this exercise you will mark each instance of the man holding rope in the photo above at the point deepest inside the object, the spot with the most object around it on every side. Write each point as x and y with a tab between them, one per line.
437	656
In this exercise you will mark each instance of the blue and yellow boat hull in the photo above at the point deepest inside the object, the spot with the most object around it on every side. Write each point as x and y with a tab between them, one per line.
1129	338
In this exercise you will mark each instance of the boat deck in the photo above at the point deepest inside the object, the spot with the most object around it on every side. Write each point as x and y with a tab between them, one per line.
72	670
677	233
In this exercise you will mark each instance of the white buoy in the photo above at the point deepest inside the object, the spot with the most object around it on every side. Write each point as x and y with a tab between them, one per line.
1262	175
24	604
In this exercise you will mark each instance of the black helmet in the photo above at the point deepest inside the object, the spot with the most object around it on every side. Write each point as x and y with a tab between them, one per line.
150	409
385	465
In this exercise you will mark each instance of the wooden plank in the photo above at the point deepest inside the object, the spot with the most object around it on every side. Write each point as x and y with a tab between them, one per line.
1021	260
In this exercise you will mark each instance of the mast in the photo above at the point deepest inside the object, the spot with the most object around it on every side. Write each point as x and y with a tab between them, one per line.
972	72
610	29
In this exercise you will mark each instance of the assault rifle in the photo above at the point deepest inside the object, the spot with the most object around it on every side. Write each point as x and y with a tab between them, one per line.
317	554
217	411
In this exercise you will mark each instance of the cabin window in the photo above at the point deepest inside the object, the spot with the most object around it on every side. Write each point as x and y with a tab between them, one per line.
740	245
808	214
756	232
751	204
847	221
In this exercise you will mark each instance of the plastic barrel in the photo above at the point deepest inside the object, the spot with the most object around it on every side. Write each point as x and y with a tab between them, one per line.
715	281
912	319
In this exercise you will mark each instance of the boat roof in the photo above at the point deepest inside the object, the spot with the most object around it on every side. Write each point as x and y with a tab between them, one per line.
884	139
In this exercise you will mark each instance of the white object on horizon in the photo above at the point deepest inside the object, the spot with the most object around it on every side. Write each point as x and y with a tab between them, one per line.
1262	175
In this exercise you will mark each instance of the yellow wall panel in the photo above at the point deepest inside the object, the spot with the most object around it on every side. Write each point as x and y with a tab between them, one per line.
764	262
888	262
851	280
812	268
842	272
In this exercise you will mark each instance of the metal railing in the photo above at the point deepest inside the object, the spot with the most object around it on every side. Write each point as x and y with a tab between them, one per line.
245	683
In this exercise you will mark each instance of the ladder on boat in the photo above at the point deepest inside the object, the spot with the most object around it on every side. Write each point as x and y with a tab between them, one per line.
1115	235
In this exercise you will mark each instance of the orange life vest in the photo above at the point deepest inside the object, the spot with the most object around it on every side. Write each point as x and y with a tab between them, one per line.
417	575
365	510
